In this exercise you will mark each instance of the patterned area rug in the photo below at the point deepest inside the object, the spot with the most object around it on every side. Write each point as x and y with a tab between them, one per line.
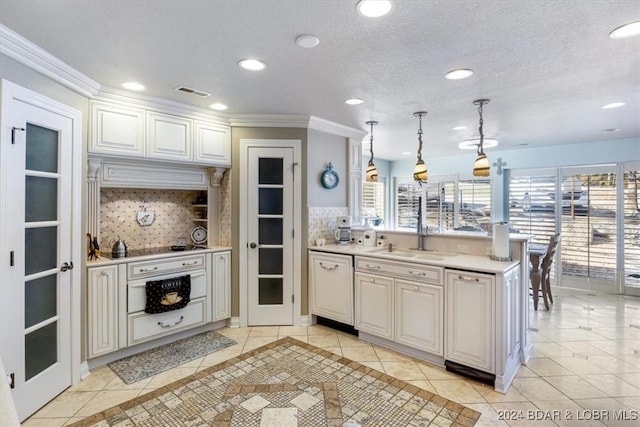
287	383
151	362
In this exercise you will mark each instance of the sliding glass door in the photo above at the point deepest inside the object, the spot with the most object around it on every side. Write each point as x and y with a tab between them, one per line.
630	205
589	230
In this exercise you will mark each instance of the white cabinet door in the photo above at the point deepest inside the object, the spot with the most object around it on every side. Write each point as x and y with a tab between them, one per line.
374	305
419	316
470	326
117	130
221	275
331	286
212	144
103	309
169	137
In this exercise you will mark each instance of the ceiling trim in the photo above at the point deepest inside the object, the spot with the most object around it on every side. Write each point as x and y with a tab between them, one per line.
27	53
294	121
335	128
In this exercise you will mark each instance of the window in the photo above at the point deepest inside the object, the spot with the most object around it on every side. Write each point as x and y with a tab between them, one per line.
631	228
449	204
373	201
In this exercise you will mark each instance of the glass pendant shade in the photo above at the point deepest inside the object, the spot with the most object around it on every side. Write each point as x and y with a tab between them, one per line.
481	166
372	173
420	171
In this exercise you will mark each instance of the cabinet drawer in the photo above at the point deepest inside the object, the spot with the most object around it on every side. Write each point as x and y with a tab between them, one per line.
417	272
165	265
144	327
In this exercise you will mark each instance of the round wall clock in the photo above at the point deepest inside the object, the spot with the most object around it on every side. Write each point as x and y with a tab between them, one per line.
329	178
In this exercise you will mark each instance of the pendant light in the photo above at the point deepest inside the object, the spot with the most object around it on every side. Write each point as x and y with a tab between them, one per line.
372	171
420	171
481	166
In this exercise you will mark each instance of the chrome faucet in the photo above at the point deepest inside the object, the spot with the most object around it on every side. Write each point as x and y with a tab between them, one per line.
421	230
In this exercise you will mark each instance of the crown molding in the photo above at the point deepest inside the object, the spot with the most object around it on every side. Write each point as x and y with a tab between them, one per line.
294	121
111	94
333	128
269	120
29	54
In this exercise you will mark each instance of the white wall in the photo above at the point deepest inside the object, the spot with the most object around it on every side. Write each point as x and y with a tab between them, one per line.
323	148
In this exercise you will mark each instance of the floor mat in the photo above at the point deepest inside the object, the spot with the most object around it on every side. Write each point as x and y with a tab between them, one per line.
150	362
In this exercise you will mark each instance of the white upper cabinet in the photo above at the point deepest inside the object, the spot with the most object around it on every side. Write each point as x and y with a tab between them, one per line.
117	130
169	136
123	130
212	143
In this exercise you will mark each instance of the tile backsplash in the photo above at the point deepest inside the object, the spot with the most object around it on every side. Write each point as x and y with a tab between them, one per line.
322	223
173	217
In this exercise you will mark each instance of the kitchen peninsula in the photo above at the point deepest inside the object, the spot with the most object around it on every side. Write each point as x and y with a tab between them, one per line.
462	310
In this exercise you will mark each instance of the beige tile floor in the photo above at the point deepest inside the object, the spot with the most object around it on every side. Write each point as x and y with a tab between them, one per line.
585	369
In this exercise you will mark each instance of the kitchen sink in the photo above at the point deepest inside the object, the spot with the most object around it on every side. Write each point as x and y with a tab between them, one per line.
414	253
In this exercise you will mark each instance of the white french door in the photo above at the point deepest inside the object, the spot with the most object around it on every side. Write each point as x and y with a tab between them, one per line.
269	234
36	278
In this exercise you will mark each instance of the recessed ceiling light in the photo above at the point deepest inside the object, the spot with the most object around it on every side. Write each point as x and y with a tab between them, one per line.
459	128
406	153
354	101
472	144
613	105
627	30
252	64
307	41
458	74
611	130
133	86
373	8
218	106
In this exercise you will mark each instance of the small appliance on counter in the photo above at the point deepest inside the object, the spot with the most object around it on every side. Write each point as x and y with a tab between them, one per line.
369	237
343	232
119	249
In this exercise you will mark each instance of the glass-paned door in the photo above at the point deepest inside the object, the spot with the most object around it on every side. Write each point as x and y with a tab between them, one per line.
631	206
270	233
589	236
36	348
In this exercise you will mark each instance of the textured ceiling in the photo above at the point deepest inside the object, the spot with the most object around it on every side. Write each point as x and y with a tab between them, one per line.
547	66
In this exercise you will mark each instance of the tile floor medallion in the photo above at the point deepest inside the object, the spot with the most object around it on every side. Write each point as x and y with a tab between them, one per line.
287	383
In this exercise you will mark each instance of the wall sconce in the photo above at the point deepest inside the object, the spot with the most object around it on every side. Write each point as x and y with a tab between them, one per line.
481	165
372	171
420	170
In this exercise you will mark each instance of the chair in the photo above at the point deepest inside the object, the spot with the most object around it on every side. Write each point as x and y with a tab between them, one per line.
547	263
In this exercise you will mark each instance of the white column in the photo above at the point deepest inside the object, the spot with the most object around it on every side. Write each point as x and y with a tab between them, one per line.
93	197
213	208
355	177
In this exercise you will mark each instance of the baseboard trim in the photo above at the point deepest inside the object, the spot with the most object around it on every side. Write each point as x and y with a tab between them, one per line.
84	370
234	322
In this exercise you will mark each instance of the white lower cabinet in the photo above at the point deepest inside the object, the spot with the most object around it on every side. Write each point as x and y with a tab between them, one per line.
331	286
470	319
419	316
221	277
401	302
374	304
102	293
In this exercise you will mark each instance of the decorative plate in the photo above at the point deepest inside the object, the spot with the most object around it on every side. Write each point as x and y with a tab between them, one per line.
199	235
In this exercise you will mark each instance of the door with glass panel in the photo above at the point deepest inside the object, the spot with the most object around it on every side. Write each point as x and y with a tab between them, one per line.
35	293
631	226
270	235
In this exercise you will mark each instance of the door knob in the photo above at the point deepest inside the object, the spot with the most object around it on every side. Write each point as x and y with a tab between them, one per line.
253	245
66	266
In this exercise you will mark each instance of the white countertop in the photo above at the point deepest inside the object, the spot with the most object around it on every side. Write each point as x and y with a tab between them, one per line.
104	260
442	259
483	235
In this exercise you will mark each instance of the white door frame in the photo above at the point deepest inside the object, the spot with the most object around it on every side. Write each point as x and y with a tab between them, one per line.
13	92
296	144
